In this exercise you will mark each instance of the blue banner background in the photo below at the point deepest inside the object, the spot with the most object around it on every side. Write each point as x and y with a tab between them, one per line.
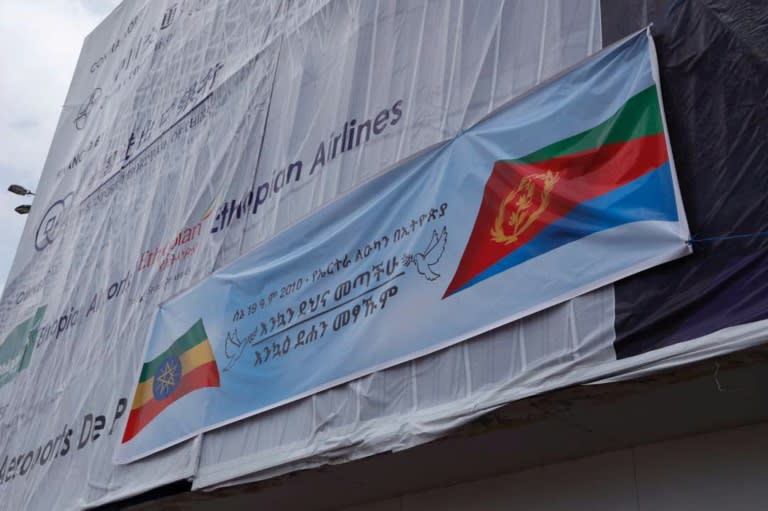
314	274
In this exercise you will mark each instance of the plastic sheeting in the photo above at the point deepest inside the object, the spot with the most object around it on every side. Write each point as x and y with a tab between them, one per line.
136	167
178	107
718	131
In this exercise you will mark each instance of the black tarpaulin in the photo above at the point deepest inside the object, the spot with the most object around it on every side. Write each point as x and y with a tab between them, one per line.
713	57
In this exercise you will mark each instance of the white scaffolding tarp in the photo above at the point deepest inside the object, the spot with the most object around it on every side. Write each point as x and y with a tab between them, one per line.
178	107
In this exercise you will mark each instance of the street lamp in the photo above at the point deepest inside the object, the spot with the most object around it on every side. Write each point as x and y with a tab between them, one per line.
20	190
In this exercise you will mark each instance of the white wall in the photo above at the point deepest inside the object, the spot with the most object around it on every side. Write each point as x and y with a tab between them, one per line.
726	470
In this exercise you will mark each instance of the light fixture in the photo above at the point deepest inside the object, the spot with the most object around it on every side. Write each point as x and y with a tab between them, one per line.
23	209
19	190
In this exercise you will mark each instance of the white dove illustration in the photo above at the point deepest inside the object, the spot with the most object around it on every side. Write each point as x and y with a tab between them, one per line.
233	349
430	256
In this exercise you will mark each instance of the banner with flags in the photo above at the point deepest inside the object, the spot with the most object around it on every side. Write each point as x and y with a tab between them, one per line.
565	190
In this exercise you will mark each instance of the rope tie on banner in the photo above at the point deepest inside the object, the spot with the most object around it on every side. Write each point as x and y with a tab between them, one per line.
695	239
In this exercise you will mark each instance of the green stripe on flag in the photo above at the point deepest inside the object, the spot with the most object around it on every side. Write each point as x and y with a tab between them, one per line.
187	341
638	117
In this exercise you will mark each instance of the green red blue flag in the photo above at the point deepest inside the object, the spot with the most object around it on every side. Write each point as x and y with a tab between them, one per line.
564	191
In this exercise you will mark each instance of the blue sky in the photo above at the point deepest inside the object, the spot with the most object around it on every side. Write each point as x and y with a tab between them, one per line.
40	41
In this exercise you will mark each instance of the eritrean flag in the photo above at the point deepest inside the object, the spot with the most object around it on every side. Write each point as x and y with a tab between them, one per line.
187	365
614	173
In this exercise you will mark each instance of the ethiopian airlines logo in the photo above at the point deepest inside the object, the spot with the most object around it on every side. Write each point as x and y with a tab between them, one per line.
178	249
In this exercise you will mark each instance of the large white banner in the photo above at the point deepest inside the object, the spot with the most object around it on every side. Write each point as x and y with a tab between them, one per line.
179	109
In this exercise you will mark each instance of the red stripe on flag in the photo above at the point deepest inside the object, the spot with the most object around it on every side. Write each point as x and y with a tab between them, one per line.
581	177
206	375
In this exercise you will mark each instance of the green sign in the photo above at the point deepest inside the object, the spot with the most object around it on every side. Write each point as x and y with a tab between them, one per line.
16	349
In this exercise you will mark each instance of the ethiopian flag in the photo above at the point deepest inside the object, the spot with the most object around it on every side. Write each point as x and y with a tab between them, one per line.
187	365
614	173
